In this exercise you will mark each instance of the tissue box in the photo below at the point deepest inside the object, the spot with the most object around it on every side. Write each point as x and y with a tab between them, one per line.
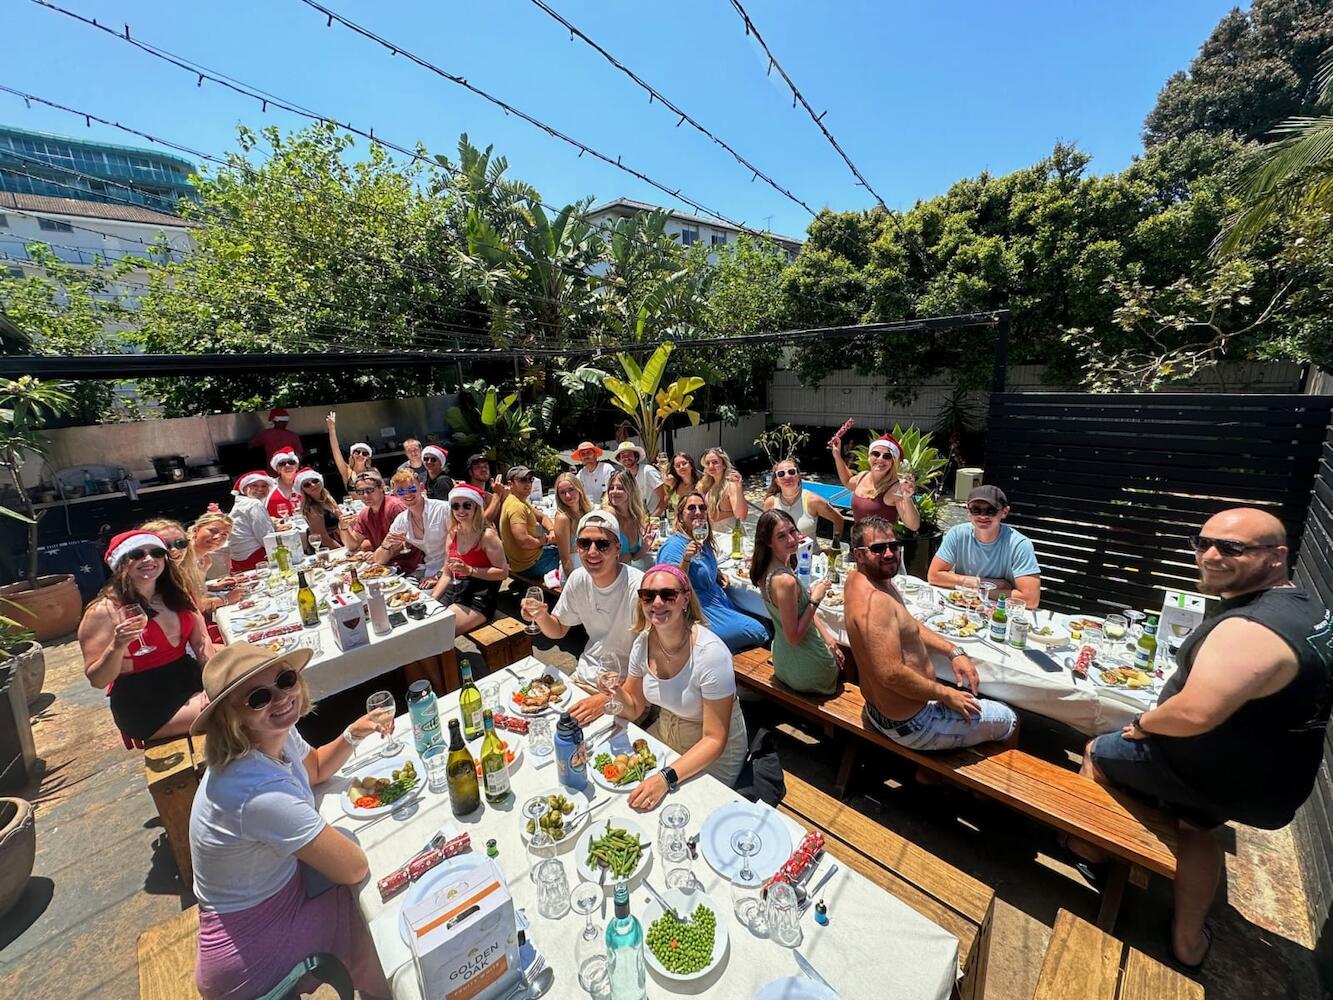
464	936
347	619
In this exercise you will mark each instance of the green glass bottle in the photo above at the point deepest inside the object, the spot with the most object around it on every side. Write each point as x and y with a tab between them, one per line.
469	705
1145	650
999	622
461	772
737	542
356	586
306	602
494	767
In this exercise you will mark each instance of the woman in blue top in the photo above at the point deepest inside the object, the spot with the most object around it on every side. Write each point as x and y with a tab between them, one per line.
698	558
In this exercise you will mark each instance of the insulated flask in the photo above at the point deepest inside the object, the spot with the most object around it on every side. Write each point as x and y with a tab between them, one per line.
570	757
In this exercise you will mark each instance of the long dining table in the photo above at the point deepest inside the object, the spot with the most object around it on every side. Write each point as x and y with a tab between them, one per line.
874	946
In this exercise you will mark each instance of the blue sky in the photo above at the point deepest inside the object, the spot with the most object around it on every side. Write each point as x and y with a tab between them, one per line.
919	94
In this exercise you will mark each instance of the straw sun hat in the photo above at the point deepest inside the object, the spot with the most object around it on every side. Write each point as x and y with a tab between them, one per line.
233	665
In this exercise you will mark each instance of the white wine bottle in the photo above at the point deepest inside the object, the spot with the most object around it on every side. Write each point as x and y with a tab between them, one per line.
469	705
306	602
494	767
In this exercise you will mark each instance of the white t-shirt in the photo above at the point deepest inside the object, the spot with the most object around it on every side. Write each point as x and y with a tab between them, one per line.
246	825
606	614
435	542
707	674
250	523
594	481
648	479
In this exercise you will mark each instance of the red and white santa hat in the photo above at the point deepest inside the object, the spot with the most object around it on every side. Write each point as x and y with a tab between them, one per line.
362	447
127	541
435	451
249	479
308	475
281	455
890	443
464	492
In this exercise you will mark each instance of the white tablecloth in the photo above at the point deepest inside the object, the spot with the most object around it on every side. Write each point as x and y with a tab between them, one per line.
875	946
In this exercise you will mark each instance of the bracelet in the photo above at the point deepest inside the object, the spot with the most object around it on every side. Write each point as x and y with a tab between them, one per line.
352	740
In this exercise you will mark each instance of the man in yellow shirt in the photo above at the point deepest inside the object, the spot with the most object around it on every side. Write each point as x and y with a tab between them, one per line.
523	532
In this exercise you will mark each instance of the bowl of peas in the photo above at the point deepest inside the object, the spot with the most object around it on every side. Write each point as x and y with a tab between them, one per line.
679	952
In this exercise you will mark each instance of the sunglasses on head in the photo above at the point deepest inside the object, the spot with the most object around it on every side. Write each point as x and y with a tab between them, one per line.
982	510
462	505
156	552
286	462
1226	546
260	697
784	473
879	548
405	491
180	543
602	544
650	594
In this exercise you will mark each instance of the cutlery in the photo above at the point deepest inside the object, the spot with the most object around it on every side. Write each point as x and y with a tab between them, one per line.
814	893
666	907
810	972
533	982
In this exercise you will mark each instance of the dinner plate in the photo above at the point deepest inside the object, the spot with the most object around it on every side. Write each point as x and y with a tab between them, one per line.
280	643
423	886
257	604
377	572
384	767
589	873
684	904
574	822
941	621
1057	637
619	742
255	622
392	584
551	707
404	597
795	988
775	845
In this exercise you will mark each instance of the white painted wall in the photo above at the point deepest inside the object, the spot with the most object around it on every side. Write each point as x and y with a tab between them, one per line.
737	442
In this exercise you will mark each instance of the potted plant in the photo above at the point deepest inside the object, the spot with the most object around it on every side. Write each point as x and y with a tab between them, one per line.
923	461
48	605
18	849
19	649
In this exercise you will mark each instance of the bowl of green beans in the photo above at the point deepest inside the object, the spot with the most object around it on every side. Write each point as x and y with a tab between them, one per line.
685	952
619	846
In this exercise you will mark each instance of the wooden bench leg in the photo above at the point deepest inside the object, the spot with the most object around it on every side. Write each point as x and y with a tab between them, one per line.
453	679
846	766
1112	893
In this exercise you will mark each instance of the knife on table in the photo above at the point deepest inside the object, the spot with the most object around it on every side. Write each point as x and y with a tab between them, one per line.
810	972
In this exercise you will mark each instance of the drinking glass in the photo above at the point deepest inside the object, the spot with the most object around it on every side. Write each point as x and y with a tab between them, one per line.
541	847
552	889
1093	637
540	743
746	844
985	586
533	594
748	905
316	543
133	612
490	695
590	951
699	532
1115	627
381	706
436	762
611	675
682	879
671	837
1135	617
783	915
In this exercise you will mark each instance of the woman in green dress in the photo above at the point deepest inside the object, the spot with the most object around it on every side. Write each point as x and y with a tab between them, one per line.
806	654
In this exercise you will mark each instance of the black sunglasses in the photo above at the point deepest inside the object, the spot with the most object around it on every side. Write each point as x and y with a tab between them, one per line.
881	454
431	458
1226	546
462	505
982	510
879	548
649	594
287	461
156	552
694	507
783	474
261	696
180	543
602	544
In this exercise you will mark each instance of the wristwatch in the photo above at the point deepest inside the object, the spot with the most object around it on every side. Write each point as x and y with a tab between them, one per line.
956	652
672	781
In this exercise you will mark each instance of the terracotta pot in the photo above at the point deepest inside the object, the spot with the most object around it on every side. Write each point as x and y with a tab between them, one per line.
32	669
49	612
18	850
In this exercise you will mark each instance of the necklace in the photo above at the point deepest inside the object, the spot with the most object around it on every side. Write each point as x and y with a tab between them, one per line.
663	646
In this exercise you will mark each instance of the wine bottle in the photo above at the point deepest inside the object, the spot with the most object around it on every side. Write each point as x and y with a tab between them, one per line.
469	705
356	586
461	771
305	602
494	767
624	951
737	542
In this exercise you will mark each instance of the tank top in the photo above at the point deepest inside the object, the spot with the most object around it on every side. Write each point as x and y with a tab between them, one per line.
164	652
1260	764
807	666
798	511
279	504
475	557
863	507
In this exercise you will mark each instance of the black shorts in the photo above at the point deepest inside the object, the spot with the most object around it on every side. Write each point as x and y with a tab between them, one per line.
469	592
143	703
1134	766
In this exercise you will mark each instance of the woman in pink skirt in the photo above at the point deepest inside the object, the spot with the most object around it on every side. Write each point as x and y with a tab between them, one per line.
258	843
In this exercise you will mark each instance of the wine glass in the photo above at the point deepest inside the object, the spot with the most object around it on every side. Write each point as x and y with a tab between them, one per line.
381	706
746	844
316	543
133	612
671	838
610	678
1115	627
532	594
700	531
590	951
1135	617
985	586
746	901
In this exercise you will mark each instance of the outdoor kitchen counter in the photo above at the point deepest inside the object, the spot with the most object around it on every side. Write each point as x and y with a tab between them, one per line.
120	495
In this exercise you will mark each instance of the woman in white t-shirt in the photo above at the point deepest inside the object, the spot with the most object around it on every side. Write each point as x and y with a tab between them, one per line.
257	842
424	525
685	670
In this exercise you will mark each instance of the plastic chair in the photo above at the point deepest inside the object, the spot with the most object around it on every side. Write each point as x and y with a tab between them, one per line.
324	967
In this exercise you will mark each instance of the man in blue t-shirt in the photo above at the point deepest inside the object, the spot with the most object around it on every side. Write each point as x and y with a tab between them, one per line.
987	550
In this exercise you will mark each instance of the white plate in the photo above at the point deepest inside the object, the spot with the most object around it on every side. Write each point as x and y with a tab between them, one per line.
286	642
574	822
260	604
254	621
621	743
384	768
775	845
584	844
1057	637
392	584
795	988
937	620
551	707
414	594
376	574
682	901
421	888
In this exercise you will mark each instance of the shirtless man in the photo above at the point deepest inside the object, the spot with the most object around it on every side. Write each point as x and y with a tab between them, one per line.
904	701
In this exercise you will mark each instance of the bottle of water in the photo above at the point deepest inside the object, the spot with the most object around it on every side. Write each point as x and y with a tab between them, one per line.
804	560
624	951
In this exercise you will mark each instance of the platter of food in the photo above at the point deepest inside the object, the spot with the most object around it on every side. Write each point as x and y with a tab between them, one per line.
253	622
684	952
376	572
958	599
393	585
540	695
1123	677
833	598
566	814
279	644
381	788
404	597
956	625
1083	624
621	766
620	846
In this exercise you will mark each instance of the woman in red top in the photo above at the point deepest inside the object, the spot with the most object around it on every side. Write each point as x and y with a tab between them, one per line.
475	563
283	500
882	491
151	664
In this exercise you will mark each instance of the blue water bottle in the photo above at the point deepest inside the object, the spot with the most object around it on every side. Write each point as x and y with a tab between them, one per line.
570	757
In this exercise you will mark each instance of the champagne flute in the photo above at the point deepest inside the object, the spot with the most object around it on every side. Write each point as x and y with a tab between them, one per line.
532	594
381	706
133	612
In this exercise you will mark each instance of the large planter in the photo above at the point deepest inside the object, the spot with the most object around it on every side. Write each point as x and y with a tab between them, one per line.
49	612
18	850
918	550
31	664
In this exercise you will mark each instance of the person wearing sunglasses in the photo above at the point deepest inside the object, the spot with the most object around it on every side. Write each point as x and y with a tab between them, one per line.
652	488
883	490
322	515
275	882
788	494
358	456
986	550
600	596
250	521
571	504
283	500
475	564
191	554
369	530
277	437
699	559
438	485
677	664
1239	729
904	701
806	654
422	524
525	533
149	664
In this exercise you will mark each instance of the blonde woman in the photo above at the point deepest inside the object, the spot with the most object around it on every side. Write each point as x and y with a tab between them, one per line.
882	491
788	494
358	456
721	485
191	553
475	564
571	503
256	833
321	512
636	533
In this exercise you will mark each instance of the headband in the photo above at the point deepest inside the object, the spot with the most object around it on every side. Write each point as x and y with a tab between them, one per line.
126	542
889	443
462	491
435	451
307	476
282	456
673	570
362	447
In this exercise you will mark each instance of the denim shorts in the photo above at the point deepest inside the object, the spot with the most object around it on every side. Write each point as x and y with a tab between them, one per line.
547	561
936	727
1135	766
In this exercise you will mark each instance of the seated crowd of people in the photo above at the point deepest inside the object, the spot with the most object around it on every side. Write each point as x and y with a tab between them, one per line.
632	556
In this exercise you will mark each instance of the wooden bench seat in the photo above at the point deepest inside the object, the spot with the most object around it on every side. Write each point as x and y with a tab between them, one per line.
501	642
172	770
166	954
938	891
1141	838
1085	962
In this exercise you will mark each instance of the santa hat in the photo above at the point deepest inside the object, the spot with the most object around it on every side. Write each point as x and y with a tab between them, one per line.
308	475
362	447
128	541
249	479
435	451
464	492
281	455
889	443
278	413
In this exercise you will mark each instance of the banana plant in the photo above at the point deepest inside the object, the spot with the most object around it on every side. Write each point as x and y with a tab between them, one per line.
649	406
497	424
